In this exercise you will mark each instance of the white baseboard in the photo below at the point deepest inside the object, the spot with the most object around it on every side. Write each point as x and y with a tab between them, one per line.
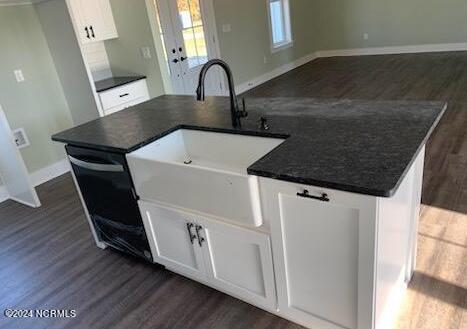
274	73
41	176
428	48
3	194
50	172
411	49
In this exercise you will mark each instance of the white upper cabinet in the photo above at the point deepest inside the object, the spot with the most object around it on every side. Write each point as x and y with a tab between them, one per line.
94	20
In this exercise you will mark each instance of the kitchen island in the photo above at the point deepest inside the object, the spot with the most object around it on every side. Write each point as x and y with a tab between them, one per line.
334	196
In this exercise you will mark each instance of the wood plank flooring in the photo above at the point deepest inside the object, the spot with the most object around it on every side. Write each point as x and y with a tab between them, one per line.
48	259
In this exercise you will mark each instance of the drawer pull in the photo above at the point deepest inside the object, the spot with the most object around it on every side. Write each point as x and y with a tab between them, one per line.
124	95
306	194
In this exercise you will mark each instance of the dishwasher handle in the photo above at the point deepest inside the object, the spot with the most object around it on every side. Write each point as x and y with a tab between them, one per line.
96	166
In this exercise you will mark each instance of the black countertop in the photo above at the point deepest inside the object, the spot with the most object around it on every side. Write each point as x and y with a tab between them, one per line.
106	84
357	146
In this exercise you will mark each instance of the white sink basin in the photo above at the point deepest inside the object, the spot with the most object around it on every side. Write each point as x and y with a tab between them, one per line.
203	171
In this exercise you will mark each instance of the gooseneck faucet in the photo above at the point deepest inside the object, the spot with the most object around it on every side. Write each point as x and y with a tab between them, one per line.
235	112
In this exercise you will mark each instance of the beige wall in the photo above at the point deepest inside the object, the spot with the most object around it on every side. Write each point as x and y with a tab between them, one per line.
134	32
37	104
63	45
341	24
248	44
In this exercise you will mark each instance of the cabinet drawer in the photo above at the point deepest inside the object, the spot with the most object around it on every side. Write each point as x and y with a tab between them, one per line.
124	94
125	105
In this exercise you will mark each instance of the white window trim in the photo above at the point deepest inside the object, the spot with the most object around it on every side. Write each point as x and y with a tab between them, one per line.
287	24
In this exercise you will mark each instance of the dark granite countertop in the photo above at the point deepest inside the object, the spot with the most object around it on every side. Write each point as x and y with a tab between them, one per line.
351	145
106	84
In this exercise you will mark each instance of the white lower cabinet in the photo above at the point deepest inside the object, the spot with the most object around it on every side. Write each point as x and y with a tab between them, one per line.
173	240
229	258
323	252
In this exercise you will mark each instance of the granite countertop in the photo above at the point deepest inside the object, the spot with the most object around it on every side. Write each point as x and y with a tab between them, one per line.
106	84
351	145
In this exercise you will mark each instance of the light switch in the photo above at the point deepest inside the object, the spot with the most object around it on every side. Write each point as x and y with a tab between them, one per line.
19	76
226	28
146	51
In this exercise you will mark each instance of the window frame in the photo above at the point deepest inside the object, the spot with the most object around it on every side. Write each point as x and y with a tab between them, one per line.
275	47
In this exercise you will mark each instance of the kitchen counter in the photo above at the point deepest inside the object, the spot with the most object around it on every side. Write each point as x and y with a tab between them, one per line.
106	84
351	145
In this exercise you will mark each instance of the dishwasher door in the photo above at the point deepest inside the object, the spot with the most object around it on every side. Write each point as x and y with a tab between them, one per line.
105	183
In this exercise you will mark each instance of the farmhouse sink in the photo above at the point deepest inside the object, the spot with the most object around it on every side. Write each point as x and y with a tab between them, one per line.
204	172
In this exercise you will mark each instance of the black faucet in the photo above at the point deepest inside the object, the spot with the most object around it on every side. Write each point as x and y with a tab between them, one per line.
235	112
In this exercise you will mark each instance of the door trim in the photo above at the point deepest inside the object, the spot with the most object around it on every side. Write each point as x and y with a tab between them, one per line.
207	8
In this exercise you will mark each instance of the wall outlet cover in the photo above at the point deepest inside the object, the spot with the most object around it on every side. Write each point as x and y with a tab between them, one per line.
19	75
146	51
21	139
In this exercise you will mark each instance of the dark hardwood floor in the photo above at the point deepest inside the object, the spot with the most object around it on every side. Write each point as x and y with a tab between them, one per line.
48	259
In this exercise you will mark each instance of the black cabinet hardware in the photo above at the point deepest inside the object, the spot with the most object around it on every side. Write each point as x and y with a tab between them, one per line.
173	51
200	238
306	194
92	32
189	226
175	60
87	32
180	49
183	58
124	95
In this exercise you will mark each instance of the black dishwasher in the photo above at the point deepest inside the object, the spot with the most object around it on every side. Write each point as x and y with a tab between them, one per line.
107	189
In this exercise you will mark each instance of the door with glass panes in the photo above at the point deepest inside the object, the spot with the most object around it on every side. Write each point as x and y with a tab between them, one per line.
188	31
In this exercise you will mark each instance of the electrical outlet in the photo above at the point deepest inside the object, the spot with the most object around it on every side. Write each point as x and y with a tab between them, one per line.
365	36
226	28
146	51
19	75
21	139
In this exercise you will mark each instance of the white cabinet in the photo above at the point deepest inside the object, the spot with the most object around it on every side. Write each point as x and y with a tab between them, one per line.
229	258
93	19
239	262
122	97
321	247
173	240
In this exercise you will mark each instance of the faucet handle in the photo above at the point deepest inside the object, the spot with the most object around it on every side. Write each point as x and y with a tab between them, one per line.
243	113
263	123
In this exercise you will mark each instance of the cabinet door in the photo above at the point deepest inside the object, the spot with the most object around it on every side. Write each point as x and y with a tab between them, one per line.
103	20
169	238
79	13
323	274
94	20
239	262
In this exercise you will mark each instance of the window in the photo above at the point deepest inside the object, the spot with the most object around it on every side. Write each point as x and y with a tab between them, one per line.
279	17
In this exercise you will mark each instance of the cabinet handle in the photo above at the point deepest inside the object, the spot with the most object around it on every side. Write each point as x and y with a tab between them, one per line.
87	32
175	60
306	194
183	58
92	32
200	238
124	95
190	233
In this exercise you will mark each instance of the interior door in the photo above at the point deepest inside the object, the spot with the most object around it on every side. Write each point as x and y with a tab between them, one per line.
238	261
189	35
172	238
13	172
